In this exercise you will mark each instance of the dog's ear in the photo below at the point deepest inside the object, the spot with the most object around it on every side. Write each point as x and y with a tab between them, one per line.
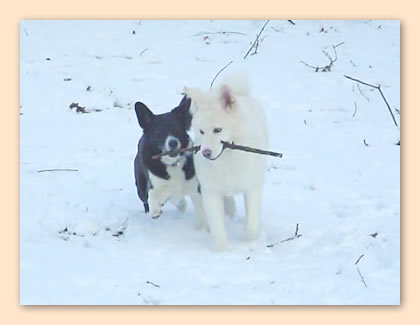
197	97
227	98
144	115
183	112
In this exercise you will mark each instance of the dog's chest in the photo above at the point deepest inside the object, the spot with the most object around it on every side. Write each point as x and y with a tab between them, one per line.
176	185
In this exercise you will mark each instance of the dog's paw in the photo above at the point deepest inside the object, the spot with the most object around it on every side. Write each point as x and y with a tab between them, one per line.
219	244
202	225
182	205
252	232
156	213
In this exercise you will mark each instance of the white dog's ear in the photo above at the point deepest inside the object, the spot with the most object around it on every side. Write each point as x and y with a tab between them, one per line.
227	98
196	96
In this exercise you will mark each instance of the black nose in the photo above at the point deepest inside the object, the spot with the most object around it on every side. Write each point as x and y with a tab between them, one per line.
173	144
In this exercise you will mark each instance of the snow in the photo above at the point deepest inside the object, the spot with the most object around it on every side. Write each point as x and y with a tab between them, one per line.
84	237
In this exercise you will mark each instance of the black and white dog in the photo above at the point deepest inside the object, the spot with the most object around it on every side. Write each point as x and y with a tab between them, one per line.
170	177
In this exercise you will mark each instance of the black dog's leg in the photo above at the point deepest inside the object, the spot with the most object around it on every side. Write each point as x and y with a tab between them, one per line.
143	191
142	184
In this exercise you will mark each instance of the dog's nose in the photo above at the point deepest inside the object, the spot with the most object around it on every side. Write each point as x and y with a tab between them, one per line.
173	143
206	153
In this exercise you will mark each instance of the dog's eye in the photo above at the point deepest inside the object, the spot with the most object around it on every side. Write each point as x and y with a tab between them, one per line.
201	131
217	130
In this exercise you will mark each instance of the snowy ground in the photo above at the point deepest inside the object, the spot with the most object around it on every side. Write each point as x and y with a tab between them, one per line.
84	237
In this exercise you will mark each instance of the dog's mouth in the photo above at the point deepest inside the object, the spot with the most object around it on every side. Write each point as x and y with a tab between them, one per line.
173	154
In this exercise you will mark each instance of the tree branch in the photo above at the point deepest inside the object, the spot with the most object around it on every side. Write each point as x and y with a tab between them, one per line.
297	235
57	170
181	150
226	145
219	32
220	71
328	67
380	91
257	40
233	146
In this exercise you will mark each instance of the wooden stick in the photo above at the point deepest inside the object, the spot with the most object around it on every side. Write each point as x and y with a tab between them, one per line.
234	146
57	170
380	92
194	149
256	40
220	71
226	145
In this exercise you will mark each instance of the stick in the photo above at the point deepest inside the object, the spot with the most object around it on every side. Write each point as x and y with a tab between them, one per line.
153	284
380	91
234	146
360	257
257	39
194	149
219	32
355	109
228	145
361	277
220	71
287	239
328	67
57	170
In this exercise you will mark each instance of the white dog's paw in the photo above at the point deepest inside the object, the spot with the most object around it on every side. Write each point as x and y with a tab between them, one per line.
182	205
155	211
202	225
252	231
219	244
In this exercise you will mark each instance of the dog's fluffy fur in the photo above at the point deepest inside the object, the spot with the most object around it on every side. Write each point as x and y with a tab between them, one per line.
170	177
228	113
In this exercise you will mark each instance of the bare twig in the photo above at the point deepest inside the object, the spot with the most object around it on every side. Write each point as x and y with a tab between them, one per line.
328	67
291	21
219	32
361	277
358	260
362	93
220	71
257	40
358	271
153	284
366	144
297	235
57	170
142	52
355	109
380	91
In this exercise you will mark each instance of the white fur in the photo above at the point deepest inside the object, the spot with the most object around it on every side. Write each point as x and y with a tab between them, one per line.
243	122
174	190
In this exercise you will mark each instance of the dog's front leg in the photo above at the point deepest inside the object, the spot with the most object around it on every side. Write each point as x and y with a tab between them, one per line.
157	198
199	211
253	210
214	208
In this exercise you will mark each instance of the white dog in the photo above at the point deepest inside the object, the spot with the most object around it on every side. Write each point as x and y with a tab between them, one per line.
228	113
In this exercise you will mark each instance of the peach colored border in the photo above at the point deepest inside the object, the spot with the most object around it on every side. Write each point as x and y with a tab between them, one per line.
13	12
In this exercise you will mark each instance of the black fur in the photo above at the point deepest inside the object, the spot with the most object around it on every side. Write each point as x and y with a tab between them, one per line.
156	129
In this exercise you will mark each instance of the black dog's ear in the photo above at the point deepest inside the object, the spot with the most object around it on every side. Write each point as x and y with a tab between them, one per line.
183	112
144	115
